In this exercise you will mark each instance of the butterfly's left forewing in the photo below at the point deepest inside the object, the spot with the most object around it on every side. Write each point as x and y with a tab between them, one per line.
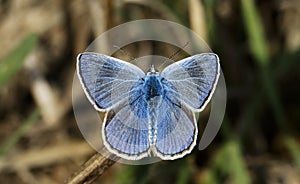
192	80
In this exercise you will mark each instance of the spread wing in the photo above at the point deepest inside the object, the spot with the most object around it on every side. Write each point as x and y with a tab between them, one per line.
115	86
176	131
192	80
107	81
125	128
188	86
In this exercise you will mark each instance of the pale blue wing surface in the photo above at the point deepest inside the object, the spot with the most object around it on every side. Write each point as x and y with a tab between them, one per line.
176	130
107	81
192	80
125	132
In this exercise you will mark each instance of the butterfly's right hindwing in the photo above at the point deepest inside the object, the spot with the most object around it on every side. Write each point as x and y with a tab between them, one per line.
126	132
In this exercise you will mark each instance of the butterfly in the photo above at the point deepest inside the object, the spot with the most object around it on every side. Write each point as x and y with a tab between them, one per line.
148	114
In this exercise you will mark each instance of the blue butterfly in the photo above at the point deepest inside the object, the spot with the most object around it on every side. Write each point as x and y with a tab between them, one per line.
149	114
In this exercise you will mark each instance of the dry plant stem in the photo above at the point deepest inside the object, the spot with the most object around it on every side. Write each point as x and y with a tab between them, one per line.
93	168
42	157
52	106
99	21
197	18
156	6
26	176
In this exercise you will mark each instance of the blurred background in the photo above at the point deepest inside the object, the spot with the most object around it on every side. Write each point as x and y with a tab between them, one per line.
258	43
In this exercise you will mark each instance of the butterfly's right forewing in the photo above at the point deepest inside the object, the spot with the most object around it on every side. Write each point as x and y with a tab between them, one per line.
107	81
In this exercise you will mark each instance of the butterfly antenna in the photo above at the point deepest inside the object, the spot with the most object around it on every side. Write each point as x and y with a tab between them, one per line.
173	55
125	53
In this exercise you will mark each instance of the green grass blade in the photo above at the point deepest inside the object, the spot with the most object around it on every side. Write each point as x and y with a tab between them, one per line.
184	172
255	32
13	139
258	45
209	177
294	150
259	48
13	62
229	161
211	23
237	165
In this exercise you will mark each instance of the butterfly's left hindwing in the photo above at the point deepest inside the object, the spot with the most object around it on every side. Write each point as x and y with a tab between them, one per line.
176	131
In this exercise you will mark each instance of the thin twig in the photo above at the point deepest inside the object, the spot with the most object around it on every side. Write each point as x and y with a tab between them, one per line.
93	168
34	158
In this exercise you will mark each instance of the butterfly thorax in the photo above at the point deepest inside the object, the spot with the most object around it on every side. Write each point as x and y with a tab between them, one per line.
152	86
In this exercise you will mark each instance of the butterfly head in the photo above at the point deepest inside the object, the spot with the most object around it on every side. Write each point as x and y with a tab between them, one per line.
152	71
